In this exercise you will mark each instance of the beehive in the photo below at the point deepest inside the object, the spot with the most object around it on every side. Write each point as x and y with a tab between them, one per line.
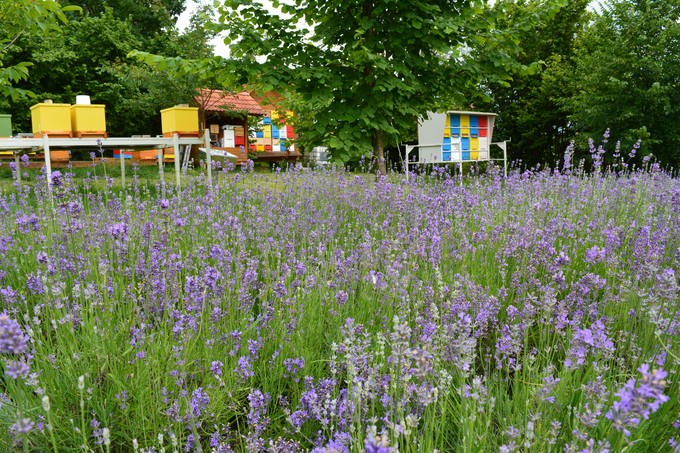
463	135
88	120
51	119
5	125
147	154
182	121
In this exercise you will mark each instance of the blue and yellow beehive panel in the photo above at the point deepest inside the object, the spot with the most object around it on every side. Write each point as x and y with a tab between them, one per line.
463	135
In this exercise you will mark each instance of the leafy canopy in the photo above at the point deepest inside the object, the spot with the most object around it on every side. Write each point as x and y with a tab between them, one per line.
368	69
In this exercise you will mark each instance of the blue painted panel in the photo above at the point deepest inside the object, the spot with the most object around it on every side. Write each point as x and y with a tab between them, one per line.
447	140
474	121
455	120
466	155
259	134
465	141
446	148
474	132
446	157
267	120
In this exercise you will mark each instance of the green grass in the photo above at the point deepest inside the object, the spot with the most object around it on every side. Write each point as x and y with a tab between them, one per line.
267	255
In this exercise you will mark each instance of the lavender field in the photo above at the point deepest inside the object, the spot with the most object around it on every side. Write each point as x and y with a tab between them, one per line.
325	311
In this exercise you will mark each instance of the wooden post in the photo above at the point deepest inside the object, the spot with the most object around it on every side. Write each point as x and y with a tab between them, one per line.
208	155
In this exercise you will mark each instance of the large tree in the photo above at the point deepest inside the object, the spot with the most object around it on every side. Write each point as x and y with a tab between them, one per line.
367	68
627	77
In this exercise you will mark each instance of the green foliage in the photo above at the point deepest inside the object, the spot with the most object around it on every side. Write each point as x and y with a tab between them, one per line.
19	17
627	77
90	58
368	70
530	112
148	19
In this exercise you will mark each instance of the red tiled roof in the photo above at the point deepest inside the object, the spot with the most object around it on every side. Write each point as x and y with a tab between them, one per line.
218	101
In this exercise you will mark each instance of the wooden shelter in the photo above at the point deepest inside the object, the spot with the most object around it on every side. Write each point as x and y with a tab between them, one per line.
226	116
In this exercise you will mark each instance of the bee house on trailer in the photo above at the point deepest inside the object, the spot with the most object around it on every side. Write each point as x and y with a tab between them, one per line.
455	136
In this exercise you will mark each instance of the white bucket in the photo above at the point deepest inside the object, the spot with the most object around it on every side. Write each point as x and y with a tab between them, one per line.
83	99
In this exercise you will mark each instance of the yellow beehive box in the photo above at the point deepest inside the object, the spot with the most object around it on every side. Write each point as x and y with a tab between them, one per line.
51	119
168	153
88	120
464	125
182	121
474	143
474	155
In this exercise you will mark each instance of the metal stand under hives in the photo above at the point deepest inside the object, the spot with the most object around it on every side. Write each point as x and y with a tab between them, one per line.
503	145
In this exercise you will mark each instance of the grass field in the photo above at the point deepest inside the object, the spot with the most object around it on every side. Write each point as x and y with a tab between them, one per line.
328	311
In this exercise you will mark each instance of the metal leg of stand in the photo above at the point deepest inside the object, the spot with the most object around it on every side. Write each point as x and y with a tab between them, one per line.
208	155
122	168
177	159
48	159
16	162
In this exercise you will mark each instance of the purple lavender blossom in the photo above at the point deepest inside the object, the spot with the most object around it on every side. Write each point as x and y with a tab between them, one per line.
257	416
638	401
377	445
12	339
216	368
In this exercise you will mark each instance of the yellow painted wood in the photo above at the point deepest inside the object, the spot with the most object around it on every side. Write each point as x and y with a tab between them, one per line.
47	118
86	118
474	155
267	131
474	143
465	125
179	119
260	147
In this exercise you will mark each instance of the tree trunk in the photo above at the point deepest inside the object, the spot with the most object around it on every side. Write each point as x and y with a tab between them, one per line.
378	152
